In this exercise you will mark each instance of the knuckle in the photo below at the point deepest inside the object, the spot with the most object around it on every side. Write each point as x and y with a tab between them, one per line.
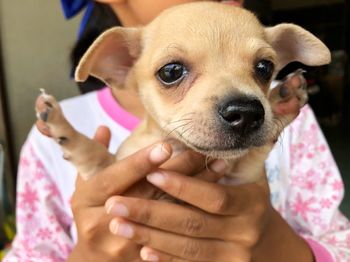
145	215
88	230
260	208
121	250
75	204
191	250
244	256
251	232
180	189
193	225
251	237
221	202
143	238
105	184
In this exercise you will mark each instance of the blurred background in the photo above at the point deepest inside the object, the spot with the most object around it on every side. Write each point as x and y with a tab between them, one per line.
35	44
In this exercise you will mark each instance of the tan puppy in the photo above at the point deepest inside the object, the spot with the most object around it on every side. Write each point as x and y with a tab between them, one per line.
203	72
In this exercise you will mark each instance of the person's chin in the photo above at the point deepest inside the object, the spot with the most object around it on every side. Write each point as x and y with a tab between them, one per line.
231	2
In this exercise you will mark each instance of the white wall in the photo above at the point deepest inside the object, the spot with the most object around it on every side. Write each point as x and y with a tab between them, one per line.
36	42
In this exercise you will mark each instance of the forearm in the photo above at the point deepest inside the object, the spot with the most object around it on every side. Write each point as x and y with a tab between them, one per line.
281	243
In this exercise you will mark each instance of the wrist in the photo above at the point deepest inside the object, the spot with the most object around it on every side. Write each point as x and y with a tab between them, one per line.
279	242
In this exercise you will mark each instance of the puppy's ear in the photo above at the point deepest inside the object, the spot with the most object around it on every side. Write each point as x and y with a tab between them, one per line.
111	56
293	43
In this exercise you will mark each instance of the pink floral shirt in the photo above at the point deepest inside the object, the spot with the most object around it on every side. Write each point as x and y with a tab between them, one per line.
306	187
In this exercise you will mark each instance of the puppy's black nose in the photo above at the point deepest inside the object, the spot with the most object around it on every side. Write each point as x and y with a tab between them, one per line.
243	115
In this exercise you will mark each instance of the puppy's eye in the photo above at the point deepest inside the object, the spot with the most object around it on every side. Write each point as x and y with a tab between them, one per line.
264	69
172	73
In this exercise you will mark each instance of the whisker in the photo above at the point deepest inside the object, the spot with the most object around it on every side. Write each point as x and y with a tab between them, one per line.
182	118
176	121
188	129
207	159
173	130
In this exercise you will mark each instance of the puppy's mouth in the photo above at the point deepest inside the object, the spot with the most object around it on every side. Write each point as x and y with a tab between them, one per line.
230	128
217	149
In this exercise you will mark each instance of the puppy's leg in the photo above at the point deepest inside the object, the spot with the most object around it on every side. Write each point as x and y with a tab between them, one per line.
87	156
288	97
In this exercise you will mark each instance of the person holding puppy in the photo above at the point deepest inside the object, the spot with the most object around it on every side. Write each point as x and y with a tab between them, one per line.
294	217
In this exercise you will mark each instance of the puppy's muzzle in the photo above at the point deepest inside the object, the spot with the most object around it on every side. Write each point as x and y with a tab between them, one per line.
242	115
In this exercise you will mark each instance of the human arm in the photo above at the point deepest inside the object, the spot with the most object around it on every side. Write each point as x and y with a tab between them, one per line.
42	222
316	191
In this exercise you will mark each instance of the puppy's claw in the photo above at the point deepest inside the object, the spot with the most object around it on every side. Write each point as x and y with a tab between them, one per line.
48	104
66	156
43	93
62	140
44	116
283	91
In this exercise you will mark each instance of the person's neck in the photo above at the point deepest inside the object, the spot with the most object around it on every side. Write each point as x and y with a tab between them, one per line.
129	100
125	14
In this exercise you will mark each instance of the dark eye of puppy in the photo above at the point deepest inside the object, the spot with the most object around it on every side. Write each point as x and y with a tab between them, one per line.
172	73
264	70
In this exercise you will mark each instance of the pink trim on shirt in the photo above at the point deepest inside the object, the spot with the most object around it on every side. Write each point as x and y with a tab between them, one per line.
115	111
321	254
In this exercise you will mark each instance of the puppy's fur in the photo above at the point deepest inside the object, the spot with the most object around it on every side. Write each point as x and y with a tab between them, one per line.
221	105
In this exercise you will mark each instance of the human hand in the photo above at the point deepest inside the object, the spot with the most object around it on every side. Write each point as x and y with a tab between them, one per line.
222	223
95	243
126	177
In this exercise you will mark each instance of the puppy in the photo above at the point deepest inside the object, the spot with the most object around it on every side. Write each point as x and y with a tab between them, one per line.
203	72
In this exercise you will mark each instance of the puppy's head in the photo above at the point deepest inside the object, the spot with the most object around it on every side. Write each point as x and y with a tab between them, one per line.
203	72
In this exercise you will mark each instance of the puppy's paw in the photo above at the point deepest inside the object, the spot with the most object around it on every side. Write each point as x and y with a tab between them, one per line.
48	113
289	96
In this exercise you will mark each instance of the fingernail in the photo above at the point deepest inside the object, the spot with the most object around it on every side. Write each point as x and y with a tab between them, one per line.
159	154
156	178
118	209
218	166
120	229
146	256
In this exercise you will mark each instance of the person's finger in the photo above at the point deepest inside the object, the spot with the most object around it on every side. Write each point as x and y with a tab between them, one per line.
210	197
187	162
188	248
149	254
120	176
210	174
103	135
214	171
178	219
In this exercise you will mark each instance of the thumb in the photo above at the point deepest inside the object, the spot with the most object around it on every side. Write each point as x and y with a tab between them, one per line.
103	135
